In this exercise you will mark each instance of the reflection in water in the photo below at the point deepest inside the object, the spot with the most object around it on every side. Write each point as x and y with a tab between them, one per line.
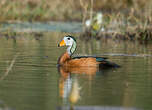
69	87
69	90
4	106
65	87
78	70
75	92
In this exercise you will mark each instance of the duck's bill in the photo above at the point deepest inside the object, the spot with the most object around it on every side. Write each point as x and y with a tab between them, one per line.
62	43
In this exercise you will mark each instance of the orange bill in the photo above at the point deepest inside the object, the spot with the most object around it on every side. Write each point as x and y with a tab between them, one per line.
62	43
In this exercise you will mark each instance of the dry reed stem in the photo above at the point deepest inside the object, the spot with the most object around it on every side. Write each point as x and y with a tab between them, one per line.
9	67
84	6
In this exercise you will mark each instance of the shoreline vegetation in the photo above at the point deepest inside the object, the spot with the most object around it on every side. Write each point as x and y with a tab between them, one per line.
130	19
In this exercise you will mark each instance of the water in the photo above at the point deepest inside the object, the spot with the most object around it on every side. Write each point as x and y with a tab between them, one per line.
30	80
74	27
42	27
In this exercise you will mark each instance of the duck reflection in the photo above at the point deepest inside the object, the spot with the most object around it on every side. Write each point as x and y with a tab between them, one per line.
75	92
69	88
65	70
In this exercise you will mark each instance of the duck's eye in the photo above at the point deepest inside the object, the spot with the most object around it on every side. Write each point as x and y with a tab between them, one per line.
68	38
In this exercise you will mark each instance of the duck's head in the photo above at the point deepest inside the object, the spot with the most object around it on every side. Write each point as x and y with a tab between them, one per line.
70	42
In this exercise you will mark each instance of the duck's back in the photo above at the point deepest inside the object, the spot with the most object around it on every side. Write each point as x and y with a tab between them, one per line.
92	61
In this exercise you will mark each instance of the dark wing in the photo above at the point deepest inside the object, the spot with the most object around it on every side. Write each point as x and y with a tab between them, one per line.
98	59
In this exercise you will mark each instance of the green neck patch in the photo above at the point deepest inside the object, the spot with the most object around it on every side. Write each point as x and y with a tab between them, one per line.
73	47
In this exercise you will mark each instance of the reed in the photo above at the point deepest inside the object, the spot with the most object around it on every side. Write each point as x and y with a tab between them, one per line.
42	10
138	13
9	67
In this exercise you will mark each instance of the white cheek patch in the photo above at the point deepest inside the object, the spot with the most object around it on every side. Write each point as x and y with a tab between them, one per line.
65	40
68	42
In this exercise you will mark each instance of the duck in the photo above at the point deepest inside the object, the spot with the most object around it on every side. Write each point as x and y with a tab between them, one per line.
67	61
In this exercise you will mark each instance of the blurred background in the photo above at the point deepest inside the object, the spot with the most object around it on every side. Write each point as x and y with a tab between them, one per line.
65	10
131	19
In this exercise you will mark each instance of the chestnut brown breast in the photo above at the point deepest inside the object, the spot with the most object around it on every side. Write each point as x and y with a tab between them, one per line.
66	60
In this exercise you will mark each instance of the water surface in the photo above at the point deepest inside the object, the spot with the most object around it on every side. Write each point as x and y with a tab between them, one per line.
30	79
42	27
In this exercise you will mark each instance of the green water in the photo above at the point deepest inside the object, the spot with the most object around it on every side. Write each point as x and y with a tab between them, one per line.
29	78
